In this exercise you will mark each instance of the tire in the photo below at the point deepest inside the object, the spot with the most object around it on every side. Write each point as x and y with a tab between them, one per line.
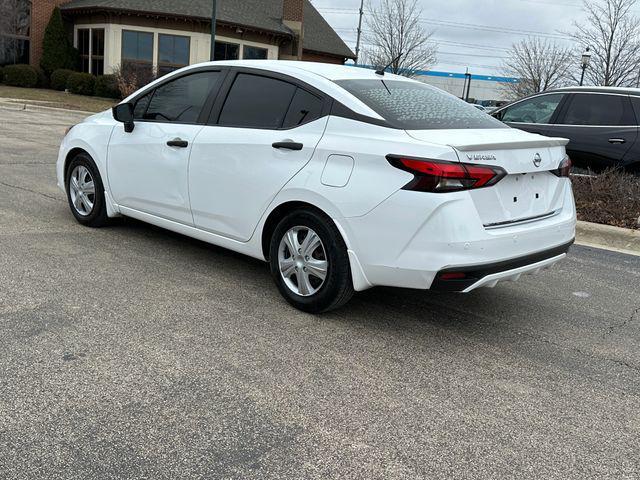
313	295
89	206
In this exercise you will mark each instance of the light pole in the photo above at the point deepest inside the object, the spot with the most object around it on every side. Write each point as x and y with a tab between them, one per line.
212	56
586	59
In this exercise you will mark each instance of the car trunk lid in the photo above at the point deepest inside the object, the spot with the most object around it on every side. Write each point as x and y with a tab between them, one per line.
529	191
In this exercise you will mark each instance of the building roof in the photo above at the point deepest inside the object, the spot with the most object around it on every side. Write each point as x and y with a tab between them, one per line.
259	14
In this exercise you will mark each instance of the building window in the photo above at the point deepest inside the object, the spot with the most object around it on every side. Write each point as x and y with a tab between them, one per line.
173	53
137	51
254	53
227	51
91	49
97	51
14	32
84	39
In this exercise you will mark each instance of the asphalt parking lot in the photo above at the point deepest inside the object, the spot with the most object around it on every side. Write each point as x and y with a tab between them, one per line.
132	352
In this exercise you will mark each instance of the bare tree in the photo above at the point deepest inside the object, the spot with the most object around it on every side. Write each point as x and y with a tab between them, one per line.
612	32
539	65
396	34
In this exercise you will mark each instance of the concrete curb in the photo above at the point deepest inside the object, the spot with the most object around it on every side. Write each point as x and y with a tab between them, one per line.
24	105
610	238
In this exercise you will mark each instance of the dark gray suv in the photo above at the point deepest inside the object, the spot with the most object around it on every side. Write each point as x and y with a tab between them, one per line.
600	122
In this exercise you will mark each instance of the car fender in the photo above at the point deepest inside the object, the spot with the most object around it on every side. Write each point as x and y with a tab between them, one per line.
93	138
321	202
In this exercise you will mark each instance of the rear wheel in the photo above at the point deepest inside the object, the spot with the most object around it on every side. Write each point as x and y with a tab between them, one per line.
85	192
309	262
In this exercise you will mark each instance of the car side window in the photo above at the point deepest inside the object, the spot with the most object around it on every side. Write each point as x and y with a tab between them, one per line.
599	109
181	100
255	101
305	107
635	102
534	110
140	107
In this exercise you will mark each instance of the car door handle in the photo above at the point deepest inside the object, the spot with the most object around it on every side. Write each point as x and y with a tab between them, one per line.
288	145
178	142
617	140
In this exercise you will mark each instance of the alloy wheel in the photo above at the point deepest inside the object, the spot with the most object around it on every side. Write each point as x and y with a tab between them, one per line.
82	190
302	260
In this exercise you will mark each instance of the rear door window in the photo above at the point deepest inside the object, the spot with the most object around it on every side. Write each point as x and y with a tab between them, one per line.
599	110
416	106
256	101
534	110
305	107
182	100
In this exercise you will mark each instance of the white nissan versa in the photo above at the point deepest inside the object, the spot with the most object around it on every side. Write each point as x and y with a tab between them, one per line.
340	177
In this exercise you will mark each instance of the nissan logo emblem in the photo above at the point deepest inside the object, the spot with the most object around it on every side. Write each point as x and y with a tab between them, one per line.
537	160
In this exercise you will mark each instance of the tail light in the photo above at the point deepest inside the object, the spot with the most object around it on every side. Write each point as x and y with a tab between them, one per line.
564	169
441	176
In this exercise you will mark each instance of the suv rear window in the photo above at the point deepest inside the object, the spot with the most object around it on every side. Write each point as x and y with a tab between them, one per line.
416	106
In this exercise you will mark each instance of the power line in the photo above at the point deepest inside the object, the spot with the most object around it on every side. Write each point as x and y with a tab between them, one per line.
438	41
463	25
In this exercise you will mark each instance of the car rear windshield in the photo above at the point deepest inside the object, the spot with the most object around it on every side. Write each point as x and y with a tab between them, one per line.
416	106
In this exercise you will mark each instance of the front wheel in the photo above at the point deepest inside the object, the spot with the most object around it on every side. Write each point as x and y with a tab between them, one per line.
309	262
85	192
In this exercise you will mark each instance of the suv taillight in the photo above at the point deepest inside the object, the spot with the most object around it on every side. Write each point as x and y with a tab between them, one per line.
564	169
440	176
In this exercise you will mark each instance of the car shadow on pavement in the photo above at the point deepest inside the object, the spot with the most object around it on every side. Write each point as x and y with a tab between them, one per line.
396	307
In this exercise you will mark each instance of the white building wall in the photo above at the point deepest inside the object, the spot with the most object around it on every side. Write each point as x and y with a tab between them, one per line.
481	89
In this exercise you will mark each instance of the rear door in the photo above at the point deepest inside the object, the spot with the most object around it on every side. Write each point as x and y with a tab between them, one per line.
258	138
535	114
601	128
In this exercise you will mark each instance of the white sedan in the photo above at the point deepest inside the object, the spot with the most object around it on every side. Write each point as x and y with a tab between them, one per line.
340	177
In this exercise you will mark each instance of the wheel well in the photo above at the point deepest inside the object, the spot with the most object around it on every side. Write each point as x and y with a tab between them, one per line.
73	153
278	214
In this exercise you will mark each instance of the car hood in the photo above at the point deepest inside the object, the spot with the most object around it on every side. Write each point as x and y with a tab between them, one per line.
486	139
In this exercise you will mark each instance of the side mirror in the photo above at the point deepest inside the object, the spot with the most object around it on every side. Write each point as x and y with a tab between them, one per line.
124	113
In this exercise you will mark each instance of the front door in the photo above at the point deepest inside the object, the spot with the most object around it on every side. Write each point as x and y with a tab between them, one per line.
147	168
265	132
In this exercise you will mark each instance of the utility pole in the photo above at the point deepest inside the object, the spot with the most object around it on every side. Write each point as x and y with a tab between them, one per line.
212	56
359	31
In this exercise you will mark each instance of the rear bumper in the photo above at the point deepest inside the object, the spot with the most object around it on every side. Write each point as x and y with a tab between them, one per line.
411	237
488	275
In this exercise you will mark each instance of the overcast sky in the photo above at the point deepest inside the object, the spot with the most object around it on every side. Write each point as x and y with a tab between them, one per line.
473	33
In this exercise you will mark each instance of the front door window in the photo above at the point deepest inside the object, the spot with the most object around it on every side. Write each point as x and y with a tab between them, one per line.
534	110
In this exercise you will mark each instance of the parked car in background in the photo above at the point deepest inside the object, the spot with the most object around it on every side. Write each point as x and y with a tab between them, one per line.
340	178
600	122
480	107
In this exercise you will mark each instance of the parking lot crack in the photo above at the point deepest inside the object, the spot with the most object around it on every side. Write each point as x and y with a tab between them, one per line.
623	324
581	352
51	197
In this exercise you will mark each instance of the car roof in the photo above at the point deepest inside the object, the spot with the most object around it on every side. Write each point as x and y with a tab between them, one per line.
329	71
576	89
319	75
627	90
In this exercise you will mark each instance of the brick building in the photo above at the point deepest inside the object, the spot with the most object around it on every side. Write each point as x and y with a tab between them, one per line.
169	34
